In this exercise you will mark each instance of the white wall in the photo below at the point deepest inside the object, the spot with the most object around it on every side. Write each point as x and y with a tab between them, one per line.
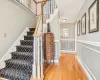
88	51
33	6
88	36
55	27
13	20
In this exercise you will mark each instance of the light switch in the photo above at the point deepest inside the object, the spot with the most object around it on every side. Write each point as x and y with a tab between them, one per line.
5	35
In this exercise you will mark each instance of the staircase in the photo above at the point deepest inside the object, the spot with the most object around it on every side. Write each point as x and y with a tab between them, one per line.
19	67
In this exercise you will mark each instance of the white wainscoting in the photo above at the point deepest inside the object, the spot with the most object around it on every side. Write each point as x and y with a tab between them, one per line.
86	69
91	51
68	45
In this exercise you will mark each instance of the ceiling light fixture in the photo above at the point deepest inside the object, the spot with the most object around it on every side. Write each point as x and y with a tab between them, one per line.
64	20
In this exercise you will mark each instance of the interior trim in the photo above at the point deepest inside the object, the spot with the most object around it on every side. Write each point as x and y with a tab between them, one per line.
89	48
86	69
89	42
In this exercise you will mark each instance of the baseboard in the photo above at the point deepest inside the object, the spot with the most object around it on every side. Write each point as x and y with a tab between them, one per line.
86	69
12	48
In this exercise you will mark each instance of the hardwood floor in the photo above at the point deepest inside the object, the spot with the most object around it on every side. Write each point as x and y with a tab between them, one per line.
67	69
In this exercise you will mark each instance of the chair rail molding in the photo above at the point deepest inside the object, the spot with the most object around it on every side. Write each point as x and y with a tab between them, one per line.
97	44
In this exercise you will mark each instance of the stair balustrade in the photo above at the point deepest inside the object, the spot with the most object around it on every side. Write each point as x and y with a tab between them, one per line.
38	47
38	57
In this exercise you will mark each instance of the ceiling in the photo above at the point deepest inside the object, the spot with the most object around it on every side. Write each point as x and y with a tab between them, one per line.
69	9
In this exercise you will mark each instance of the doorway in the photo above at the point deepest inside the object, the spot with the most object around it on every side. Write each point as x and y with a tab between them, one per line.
67	37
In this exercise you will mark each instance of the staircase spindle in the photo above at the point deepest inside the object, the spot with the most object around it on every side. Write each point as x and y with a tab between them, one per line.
41	57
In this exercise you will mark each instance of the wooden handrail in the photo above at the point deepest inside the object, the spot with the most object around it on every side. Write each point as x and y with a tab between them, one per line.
37	26
38	23
41	16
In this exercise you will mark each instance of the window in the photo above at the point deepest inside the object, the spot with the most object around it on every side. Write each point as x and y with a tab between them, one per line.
65	32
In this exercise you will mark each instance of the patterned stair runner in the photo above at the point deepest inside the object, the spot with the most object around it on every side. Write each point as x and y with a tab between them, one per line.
19	67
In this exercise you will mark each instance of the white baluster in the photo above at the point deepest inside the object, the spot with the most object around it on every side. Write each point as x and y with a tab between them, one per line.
34	57
38	59
41	58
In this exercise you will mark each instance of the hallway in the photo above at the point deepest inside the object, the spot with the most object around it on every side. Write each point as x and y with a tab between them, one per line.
67	69
50	40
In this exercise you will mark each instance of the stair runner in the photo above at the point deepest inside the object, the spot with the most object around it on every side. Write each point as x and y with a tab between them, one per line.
19	67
